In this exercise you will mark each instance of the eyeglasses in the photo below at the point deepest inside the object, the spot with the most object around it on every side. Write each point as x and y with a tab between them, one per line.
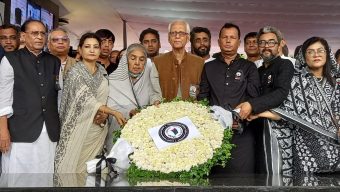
180	33
5	38
312	52
37	33
270	43
58	39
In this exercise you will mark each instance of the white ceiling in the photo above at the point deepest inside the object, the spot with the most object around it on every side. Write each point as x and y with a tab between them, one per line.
297	19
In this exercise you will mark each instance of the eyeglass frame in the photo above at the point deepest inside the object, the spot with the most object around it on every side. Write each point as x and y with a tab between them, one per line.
271	41
63	39
312	52
179	33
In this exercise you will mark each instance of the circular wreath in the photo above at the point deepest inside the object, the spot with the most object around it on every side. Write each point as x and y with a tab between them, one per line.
189	158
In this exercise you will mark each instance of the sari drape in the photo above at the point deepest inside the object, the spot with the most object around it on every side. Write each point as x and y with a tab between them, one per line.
311	116
81	140
126	95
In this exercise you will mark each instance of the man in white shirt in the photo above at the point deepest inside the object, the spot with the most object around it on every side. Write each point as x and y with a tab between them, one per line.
252	49
29	120
9	37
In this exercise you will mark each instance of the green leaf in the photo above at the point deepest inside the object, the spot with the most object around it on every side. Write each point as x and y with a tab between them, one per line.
116	135
197	174
220	157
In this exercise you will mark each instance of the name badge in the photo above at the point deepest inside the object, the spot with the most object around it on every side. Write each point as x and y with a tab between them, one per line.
270	79
239	75
193	90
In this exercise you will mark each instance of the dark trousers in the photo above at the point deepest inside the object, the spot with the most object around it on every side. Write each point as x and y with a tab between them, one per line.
260	160
242	155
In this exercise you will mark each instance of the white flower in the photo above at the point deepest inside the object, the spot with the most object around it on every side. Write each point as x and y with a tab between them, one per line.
181	156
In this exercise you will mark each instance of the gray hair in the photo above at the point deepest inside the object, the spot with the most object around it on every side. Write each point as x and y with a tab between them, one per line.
270	29
179	21
56	29
135	46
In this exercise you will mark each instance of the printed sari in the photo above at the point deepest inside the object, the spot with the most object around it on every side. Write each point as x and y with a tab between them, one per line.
81	140
310	122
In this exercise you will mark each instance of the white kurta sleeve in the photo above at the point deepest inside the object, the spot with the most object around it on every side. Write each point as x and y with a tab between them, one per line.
6	87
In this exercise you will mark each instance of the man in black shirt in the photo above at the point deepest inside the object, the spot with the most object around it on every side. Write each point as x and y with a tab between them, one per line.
106	45
275	74
227	81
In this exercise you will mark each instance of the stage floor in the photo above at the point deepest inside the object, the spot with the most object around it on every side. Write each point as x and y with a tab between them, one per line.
84	182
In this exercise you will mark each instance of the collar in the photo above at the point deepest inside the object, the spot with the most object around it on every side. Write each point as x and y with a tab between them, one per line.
221	58
174	57
27	50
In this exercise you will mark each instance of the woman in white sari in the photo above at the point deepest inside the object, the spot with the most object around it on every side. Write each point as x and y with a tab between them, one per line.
85	93
130	86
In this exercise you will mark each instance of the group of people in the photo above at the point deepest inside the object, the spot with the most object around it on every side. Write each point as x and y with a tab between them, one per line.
57	113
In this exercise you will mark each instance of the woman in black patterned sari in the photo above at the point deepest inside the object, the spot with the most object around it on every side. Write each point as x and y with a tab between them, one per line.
311	110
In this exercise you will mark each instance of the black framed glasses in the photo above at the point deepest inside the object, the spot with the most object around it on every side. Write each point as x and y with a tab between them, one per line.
270	43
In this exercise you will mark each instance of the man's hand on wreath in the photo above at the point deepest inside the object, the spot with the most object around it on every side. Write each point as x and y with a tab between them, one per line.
245	110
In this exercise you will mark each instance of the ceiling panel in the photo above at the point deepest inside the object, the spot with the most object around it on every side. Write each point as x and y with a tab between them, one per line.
298	20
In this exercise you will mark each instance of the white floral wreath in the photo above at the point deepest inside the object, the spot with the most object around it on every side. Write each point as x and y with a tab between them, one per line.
181	156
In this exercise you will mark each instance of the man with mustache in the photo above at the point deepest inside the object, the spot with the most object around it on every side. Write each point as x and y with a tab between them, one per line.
58	44
200	39
149	38
252	49
177	72
275	75
227	81
9	37
29	119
